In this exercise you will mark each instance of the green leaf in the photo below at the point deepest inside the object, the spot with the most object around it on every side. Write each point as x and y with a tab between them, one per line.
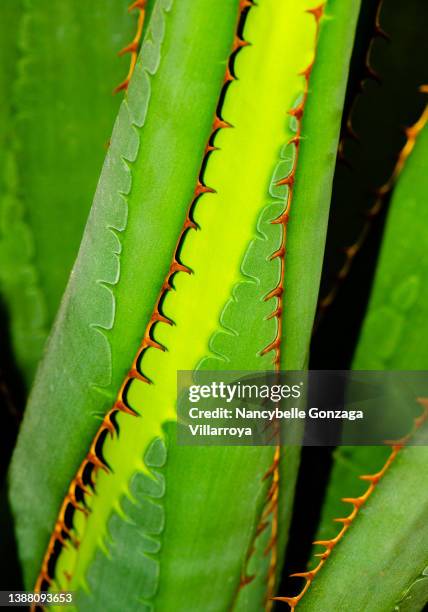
383	96
139	208
307	227
222	292
395	321
378	558
58	123
397	313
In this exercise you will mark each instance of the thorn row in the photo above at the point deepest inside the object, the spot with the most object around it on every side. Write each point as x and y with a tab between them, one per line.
134	45
278	293
382	192
356	503
288	181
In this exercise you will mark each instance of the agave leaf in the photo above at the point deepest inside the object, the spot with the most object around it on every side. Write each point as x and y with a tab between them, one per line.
58	123
186	503
385	61
101	291
352	461
388	71
307	226
396	317
384	551
388	341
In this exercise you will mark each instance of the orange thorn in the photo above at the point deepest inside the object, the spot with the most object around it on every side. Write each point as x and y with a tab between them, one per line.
79	482
277	292
154	344
271	469
270	545
189	224
246	580
157	317
73	501
292	601
109	426
93	458
278	253
45	577
283	218
317	12
276	313
120	405
323	555
220	124
238	43
261	527
297	111
308	575
374	478
59	536
209	148
344	521
178	267
326	543
270	347
122	86
295	140
355	501
306	72
288	180
134	373
138	4
201	188
228	77
131	48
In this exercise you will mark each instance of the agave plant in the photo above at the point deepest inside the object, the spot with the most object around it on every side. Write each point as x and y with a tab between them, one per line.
238	124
